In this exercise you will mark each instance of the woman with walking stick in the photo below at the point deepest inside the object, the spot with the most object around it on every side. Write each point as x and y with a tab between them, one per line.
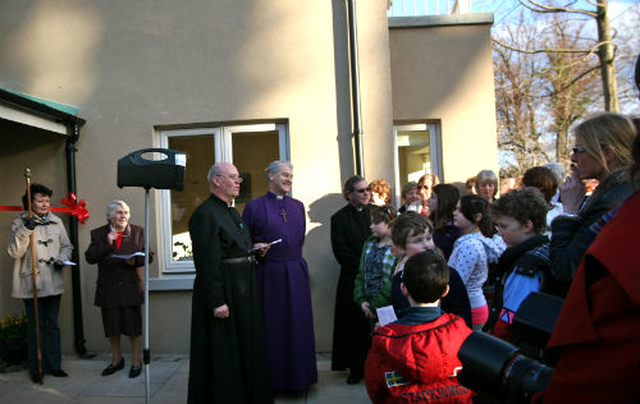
40	247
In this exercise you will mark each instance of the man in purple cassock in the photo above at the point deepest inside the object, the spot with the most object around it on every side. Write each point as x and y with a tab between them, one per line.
283	281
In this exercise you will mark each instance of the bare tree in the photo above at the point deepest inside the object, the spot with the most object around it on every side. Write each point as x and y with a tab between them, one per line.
569	81
548	74
518	85
627	50
605	47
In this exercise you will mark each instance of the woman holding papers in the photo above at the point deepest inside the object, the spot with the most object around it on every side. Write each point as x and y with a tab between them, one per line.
43	232
117	248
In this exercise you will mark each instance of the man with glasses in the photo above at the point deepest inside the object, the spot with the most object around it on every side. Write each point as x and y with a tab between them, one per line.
283	281
350	227
228	360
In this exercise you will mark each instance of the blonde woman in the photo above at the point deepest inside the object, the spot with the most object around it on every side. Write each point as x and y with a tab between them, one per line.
602	151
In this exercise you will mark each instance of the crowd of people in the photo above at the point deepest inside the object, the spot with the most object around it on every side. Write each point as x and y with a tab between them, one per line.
442	266
494	250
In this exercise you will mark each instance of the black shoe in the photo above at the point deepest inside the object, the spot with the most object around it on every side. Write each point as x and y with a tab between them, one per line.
354	378
135	371
35	378
109	370
58	373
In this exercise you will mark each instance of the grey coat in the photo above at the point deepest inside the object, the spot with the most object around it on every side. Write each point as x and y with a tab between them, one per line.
51	242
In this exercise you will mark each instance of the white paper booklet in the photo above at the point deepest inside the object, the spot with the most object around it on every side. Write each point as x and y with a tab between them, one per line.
125	257
386	315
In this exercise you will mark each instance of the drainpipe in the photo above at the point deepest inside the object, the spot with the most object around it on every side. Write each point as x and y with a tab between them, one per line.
73	130
355	87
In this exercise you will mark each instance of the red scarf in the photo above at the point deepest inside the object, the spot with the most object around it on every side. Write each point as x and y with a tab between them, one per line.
119	239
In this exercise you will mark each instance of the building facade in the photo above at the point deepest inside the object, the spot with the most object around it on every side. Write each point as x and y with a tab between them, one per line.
245	81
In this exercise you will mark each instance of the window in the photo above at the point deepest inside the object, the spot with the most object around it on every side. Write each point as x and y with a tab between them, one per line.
419	152
249	147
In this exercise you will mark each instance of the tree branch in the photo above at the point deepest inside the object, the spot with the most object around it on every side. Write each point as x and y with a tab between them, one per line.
541	8
551	50
572	82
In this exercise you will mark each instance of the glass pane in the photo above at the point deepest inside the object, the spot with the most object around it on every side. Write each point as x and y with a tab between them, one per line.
414	155
252	153
200	156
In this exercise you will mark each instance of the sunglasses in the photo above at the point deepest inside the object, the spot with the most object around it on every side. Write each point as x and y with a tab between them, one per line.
363	190
578	150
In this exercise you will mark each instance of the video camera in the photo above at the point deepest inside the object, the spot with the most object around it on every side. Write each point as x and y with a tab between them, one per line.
513	372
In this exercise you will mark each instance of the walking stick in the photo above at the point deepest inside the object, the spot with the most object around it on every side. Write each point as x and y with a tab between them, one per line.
27	174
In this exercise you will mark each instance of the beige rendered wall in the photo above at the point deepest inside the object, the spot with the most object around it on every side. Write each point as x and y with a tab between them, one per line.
445	72
133	66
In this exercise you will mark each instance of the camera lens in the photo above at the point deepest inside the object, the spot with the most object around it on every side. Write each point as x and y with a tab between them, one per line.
484	358
524	377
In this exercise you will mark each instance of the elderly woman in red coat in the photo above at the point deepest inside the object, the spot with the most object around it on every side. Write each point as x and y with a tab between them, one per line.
120	285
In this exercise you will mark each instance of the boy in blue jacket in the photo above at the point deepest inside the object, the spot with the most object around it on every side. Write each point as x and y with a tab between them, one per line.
524	265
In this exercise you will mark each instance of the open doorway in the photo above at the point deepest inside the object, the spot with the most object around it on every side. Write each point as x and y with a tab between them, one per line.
419	152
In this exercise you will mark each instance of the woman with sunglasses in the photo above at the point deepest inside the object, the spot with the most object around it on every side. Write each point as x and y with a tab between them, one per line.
602	151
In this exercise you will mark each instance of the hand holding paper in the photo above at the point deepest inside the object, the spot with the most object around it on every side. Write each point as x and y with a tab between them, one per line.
386	315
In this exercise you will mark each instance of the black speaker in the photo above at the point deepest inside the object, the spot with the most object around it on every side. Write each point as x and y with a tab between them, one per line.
136	171
534	321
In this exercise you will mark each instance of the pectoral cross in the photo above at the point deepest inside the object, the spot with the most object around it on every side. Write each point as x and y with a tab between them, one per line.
284	215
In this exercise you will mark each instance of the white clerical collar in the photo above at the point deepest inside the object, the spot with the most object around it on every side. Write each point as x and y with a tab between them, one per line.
279	197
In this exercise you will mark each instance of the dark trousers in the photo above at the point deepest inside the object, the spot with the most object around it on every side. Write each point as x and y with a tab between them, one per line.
50	345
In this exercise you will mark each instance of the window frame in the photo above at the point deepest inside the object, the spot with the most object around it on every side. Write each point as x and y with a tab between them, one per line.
179	274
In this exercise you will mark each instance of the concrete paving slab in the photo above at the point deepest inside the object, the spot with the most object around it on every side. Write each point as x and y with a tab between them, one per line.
169	381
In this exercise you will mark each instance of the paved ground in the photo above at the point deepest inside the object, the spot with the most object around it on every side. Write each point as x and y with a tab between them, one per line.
168	382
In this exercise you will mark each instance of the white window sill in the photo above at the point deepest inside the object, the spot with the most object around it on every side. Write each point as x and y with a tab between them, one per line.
172	282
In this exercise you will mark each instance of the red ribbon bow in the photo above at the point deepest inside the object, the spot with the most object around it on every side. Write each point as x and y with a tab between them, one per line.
75	208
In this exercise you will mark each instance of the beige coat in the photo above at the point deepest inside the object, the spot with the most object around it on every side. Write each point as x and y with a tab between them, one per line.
51	243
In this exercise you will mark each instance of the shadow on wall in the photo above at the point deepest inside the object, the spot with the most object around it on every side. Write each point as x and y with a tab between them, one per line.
323	268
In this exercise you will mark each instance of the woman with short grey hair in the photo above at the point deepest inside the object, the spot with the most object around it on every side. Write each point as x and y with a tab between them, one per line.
487	185
120	284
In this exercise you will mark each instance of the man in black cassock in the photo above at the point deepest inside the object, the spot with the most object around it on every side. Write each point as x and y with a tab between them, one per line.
228	362
349	230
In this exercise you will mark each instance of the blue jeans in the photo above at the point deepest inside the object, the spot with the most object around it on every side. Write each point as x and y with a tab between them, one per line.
50	345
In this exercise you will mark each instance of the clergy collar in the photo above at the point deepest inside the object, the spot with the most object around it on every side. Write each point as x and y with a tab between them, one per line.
356	208
273	195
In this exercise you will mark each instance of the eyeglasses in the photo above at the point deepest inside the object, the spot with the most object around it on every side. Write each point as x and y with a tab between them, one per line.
233	178
363	190
578	150
423	187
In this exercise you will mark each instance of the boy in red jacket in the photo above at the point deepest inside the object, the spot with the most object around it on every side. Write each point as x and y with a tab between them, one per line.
415	359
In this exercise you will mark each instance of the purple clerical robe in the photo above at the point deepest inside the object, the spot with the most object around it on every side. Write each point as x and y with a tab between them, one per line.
284	284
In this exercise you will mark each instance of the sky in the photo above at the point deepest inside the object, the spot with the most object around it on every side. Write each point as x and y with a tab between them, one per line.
503	8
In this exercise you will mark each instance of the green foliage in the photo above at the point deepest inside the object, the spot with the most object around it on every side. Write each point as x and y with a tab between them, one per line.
13	328
13	343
